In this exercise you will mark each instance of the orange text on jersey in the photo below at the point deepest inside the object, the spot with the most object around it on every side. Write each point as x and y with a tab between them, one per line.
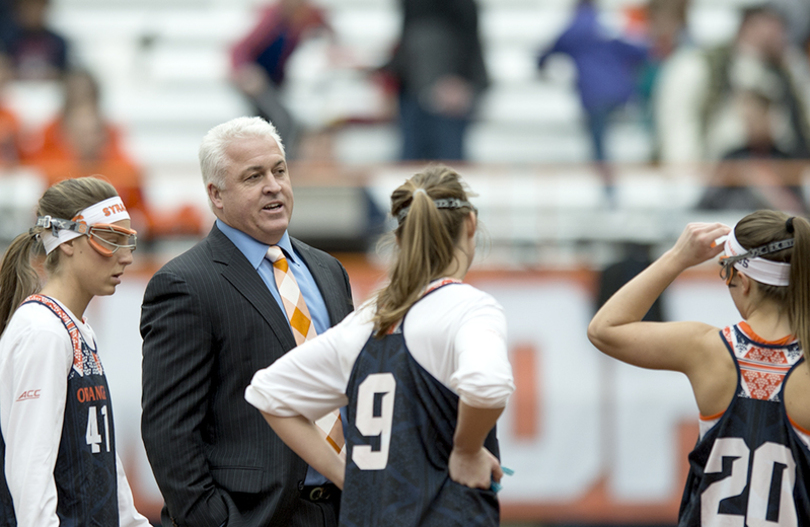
94	393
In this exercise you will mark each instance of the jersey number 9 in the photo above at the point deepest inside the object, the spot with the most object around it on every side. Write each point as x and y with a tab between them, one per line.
375	415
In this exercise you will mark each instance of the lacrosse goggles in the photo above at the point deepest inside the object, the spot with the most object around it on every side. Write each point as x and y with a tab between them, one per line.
104	237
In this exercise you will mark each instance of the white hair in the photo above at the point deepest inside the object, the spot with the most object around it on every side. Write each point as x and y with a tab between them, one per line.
213	157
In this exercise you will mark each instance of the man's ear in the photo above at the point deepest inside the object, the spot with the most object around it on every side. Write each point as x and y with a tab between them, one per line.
214	195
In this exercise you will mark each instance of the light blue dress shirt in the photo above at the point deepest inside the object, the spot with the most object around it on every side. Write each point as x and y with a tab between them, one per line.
255	252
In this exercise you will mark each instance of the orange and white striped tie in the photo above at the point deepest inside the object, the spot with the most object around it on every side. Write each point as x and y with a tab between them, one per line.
303	330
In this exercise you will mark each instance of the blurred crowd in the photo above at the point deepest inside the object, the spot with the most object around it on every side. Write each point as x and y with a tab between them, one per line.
700	104
79	140
745	102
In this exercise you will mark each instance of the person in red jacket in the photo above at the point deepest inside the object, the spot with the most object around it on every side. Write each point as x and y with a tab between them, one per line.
80	141
259	60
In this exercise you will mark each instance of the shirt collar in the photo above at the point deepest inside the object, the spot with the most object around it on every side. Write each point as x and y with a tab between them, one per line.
253	249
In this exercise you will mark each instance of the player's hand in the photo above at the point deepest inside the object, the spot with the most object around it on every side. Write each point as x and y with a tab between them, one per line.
476	470
697	243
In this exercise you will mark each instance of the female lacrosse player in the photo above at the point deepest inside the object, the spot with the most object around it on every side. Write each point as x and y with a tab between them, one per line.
751	381
57	441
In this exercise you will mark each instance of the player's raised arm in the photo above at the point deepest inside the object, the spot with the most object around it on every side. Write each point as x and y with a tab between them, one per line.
617	328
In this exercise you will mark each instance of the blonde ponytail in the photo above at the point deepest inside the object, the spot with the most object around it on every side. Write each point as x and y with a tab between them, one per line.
426	238
18	278
799	290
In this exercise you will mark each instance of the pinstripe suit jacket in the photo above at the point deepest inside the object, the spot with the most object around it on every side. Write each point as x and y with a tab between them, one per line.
208	323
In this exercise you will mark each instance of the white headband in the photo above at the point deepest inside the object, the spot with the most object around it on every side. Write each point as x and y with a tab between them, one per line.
759	269
108	211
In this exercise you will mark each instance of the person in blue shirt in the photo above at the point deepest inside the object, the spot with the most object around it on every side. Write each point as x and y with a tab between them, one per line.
213	316
606	69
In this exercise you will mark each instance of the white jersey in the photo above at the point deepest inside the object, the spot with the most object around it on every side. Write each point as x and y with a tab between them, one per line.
36	356
457	334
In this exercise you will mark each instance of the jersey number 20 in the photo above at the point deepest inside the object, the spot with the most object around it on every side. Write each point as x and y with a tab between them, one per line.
375	415
768	462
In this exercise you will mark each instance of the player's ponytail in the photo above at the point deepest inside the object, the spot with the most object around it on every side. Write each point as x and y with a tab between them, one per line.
799	290
18	277
430	209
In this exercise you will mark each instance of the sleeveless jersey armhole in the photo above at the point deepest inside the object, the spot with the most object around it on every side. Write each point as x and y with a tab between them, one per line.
707	422
802	433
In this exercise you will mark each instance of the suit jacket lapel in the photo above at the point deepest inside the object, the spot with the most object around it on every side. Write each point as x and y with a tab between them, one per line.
236	269
324	279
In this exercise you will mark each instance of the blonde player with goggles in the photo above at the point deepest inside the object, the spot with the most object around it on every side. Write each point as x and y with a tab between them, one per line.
750	380
57	440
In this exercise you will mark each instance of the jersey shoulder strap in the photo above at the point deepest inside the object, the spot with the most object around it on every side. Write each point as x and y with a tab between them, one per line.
434	286
67	321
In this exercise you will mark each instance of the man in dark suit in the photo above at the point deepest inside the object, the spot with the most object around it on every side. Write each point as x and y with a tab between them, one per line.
210	319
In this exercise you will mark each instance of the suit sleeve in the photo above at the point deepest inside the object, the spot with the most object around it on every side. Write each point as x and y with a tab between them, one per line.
177	370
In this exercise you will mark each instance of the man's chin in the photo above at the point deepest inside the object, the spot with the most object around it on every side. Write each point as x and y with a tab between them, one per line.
271	233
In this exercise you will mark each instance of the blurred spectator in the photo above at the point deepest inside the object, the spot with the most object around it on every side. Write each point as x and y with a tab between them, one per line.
438	67
6	21
757	175
665	28
37	52
755	110
259	61
696	113
607	69
662	23
81	142
754	184
797	17
9	123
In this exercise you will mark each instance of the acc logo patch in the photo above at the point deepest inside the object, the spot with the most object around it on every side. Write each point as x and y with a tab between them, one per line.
30	394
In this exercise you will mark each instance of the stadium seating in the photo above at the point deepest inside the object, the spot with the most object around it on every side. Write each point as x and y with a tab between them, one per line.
164	64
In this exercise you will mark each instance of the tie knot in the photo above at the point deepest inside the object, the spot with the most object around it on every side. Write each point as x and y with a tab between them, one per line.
274	253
